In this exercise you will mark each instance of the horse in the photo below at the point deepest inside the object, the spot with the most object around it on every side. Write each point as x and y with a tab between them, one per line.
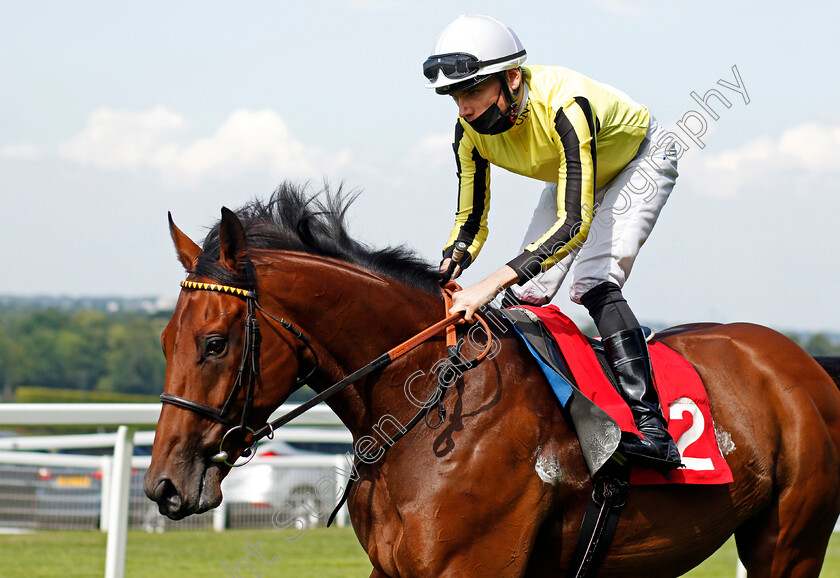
499	486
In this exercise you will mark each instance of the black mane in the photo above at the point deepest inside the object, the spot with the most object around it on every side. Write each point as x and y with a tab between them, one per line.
293	219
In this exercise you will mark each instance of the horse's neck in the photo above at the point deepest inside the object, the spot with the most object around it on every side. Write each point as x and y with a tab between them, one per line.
352	317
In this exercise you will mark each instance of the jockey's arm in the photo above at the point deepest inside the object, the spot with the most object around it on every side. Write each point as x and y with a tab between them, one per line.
575	126
473	202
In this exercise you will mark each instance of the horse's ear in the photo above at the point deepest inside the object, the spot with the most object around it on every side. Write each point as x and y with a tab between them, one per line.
233	245
188	251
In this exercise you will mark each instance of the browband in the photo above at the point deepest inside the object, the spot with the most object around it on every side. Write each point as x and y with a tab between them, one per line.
244	293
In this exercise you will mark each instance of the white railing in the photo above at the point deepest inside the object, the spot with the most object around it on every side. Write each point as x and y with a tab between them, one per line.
147	438
135	414
117	468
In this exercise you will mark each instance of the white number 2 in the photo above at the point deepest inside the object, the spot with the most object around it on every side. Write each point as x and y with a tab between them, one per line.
692	434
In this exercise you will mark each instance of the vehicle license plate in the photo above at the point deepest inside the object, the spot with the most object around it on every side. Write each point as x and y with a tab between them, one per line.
72	481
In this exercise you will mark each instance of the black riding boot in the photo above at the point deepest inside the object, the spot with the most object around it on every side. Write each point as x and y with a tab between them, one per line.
628	357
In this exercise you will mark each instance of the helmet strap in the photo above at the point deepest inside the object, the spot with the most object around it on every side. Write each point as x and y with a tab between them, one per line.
510	96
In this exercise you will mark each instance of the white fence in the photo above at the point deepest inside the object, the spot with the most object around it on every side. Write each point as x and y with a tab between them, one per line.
116	468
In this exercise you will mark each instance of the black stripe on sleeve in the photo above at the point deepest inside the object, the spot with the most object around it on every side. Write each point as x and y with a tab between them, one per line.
527	265
459	134
472	225
479	193
593	130
574	186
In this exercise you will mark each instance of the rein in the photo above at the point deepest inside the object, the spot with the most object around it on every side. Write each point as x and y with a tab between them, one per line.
249	369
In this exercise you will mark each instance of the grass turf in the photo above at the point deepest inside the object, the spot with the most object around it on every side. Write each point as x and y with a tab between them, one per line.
320	552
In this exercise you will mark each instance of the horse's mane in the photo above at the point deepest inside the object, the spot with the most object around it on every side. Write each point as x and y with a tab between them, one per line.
296	220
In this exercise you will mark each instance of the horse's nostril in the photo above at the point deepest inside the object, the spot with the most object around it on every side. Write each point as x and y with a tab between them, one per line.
167	497
160	489
172	506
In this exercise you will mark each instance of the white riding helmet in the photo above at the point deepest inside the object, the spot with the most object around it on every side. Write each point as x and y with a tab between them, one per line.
469	50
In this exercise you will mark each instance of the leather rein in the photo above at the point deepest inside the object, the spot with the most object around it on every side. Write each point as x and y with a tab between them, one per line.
249	369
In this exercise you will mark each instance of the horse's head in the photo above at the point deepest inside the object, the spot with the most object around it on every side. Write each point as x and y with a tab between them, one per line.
214	396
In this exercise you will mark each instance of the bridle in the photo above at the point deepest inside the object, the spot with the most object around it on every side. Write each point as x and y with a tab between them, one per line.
249	369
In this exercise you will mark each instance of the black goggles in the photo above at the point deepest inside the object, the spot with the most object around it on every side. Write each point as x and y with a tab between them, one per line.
459	64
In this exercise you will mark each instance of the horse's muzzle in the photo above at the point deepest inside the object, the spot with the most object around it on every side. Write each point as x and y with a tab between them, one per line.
193	494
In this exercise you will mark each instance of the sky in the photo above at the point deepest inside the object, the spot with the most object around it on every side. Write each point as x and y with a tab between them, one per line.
112	114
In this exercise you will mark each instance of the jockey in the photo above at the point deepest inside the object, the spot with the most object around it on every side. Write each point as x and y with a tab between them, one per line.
605	184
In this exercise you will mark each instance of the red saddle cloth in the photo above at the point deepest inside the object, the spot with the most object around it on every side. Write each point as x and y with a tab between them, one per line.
681	394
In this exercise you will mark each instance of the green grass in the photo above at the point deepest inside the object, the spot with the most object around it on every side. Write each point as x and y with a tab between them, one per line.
722	563
320	552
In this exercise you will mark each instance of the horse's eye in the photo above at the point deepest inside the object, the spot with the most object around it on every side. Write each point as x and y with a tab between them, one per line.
215	346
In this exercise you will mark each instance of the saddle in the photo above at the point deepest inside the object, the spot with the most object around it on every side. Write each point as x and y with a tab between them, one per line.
576	369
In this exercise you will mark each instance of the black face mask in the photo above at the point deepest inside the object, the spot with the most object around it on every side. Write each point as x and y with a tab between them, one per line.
493	120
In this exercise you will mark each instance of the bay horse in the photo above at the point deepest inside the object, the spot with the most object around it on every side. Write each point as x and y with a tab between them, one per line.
500	488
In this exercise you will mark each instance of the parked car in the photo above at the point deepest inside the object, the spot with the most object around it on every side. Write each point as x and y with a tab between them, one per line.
261	493
17	495
71	497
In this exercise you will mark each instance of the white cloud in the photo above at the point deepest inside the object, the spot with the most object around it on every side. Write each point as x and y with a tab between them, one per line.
158	139
417	168
804	159
22	152
115	139
812	146
433	151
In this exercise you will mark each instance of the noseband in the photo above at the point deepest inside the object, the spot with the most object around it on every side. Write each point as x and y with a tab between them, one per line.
248	369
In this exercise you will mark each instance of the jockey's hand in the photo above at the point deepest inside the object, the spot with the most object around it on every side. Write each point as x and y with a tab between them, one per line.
444	267
476	296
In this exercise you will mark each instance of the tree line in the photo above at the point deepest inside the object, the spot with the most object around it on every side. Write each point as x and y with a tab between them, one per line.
96	351
84	350
101	354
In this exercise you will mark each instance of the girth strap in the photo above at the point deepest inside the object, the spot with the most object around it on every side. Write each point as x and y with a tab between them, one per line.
609	494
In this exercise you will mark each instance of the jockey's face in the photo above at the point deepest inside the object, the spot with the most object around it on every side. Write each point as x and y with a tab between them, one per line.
473	101
476	99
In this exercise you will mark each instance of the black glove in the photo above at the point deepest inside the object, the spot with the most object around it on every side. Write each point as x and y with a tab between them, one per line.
457	255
